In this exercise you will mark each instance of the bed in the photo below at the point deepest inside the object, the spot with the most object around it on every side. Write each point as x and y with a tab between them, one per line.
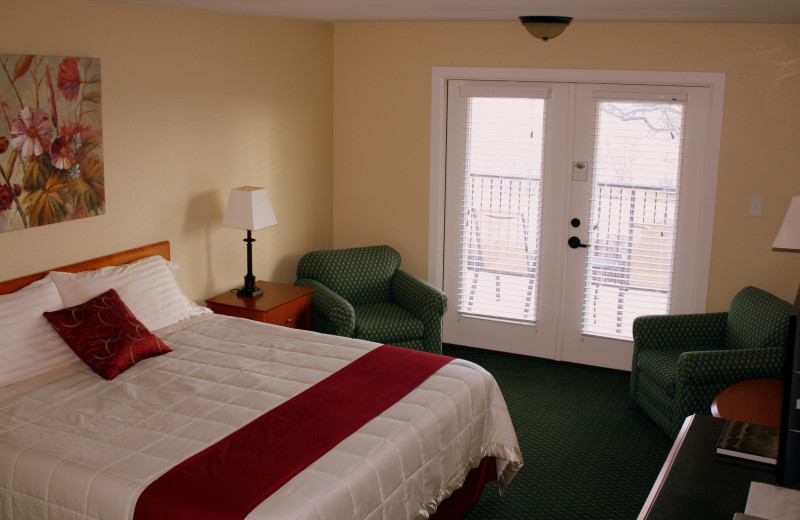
98	437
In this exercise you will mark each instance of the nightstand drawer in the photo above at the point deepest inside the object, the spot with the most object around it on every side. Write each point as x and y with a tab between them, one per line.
292	314
229	310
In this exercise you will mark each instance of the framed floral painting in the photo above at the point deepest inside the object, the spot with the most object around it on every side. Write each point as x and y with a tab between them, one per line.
51	140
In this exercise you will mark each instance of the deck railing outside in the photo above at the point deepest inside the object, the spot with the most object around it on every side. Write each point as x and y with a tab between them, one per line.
629	259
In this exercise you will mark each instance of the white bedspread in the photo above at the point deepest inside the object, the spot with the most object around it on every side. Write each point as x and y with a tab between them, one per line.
82	447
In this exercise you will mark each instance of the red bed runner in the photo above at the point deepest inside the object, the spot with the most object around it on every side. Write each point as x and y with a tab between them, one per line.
230	478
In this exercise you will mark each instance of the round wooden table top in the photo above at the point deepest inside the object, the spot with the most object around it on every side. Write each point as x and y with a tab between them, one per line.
757	401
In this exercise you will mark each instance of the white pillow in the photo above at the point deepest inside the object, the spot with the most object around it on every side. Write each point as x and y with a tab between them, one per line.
147	287
29	346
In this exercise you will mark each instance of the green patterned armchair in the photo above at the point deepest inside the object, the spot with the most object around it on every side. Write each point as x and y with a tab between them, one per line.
682	361
362	293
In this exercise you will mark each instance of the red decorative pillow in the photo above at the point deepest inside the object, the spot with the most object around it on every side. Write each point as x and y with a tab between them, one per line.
105	334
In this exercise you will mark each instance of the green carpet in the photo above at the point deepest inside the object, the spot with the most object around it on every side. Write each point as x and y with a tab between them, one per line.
590	453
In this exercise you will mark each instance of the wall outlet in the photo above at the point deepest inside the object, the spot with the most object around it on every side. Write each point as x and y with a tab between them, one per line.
756	206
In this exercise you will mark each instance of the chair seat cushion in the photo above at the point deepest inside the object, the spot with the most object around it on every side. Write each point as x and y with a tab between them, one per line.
660	369
386	322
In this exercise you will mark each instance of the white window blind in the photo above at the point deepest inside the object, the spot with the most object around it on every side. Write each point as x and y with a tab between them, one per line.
500	223
634	202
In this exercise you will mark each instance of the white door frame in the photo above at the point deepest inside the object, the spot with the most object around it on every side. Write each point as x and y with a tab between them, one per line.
440	77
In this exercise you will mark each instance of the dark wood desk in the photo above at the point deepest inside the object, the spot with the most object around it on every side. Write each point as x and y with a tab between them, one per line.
693	484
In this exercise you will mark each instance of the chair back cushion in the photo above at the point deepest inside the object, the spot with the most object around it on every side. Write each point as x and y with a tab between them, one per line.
757	319
359	275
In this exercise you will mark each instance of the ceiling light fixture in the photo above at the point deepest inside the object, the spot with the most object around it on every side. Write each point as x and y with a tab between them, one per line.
545	27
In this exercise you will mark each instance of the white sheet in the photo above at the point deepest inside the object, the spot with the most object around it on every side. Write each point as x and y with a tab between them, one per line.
82	447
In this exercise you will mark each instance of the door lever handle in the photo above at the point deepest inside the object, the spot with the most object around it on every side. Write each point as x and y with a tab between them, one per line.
575	242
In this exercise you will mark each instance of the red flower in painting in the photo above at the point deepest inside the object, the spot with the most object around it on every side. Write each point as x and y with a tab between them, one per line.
69	78
6	198
3	144
79	134
31	132
62	153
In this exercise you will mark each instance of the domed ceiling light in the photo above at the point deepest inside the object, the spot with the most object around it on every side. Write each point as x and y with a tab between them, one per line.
545	27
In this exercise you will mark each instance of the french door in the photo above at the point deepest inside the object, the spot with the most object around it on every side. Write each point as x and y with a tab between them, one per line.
570	209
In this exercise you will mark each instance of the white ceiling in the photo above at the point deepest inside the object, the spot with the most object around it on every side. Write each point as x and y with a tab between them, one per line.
781	11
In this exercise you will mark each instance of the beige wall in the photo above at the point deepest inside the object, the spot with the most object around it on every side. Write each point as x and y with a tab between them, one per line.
382	94
194	104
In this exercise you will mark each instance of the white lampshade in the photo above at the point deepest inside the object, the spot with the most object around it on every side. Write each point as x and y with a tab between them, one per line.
789	234
249	208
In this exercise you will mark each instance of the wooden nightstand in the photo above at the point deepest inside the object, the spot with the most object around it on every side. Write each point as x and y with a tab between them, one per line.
280	304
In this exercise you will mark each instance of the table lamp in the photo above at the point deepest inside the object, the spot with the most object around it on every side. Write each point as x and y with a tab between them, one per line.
789	234
249	208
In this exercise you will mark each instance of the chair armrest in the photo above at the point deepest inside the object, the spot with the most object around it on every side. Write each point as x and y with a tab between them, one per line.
687	332
424	301
731	366
330	313
418	297
705	331
703	375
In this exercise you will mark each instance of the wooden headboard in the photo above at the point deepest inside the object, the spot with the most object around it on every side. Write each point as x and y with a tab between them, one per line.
123	257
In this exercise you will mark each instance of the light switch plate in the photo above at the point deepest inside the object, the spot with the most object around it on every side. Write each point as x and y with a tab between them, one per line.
756	206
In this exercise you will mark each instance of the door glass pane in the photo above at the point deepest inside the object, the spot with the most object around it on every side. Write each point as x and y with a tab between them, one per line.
635	190
501	208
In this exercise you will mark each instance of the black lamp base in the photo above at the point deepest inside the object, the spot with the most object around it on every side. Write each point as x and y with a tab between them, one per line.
249	293
250	288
